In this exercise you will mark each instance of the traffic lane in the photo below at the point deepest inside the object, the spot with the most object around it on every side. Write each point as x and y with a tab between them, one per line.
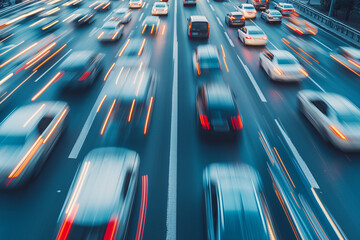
194	149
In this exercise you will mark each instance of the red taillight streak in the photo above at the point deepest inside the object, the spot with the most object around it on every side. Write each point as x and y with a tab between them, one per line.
111	229
204	122
247	37
148	115
236	123
84	76
338	133
271	17
66	226
143	207
232	18
107	117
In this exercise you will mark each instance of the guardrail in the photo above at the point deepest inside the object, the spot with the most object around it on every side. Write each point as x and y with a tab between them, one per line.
328	21
10	10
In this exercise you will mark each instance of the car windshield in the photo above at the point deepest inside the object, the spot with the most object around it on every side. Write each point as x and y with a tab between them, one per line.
199	26
288	6
109	28
249	7
275	13
349	118
282	61
12	140
255	32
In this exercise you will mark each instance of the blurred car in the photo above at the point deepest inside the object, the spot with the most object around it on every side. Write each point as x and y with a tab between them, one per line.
235	204
160	8
49	24
151	25
135	93
304	49
102	6
247	10
83	17
348	57
282	65
111	32
189	2
81	69
217	112
260	4
198	27
271	15
131	54
101	196
252	35
333	116
301	26
50	11
135	3
121	15
235	19
285	8
5	29
206	59
27	137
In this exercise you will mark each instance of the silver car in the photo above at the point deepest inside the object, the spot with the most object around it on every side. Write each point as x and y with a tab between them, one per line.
348	57
252	35
99	202
110	32
334	117
235	204
121	15
27	136
271	15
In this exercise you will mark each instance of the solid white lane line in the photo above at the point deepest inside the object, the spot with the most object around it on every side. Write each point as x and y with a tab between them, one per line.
272	44
235	8
316	84
322	44
147	4
253	81
142	14
172	184
212	8
298	158
228	38
52	66
217	18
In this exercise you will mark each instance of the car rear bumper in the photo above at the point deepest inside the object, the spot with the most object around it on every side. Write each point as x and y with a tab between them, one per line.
256	42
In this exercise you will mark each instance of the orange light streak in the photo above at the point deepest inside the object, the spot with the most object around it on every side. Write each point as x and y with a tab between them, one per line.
148	115
107	117
131	110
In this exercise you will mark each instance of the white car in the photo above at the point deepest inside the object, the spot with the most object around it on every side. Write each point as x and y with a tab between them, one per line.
282	65
135	3
121	15
334	117
348	57
111	31
285	8
248	10
27	137
252	35
160	8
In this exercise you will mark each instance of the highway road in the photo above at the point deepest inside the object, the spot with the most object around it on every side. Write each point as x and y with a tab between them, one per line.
276	139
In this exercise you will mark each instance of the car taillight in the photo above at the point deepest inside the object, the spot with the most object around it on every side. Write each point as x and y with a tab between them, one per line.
337	132
111	229
208	29
232	18
271	17
264	38
242	18
204	122
267	1
84	76
236	122
247	37
281	16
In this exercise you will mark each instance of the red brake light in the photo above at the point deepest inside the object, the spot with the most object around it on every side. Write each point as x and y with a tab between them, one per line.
84	76
281	16
66	226
247	37
271	17
111	229
236	123
242	18
232	18
204	122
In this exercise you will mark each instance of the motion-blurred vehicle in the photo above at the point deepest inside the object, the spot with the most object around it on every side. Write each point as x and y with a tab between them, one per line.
73	3
134	89
102	6
81	69
151	25
301	26
110	32
5	29
285	8
27	137
83	17
189	2
348	57
206	60
198	27
121	15
235	203
160	8
49	24
282	65
235	19
260	4
216	110
305	50
271	15
131	54
333	116
50	11
252	35
135	3
248	10
101	196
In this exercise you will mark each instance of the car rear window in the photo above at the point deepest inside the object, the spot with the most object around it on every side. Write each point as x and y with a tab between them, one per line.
199	26
249	7
275	13
288	6
255	32
237	15
286	61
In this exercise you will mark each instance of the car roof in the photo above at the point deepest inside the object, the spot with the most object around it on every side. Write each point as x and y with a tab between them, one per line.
236	13
282	54
24	119
198	18
253	27
77	59
239	187
133	83
219	95
105	170
207	51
